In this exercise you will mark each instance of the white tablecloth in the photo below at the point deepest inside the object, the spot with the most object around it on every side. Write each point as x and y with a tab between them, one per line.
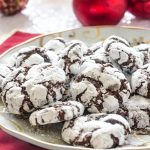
42	16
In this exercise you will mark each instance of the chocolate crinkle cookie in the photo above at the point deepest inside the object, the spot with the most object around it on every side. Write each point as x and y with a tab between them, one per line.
14	95
27	89
140	81
70	60
82	45
137	111
56	45
114	39
145	50
101	88
96	131
97	55
32	55
57	112
125	56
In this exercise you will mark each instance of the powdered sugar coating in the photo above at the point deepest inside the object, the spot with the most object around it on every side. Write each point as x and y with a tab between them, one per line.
82	45
46	71
30	56
114	39
5	70
26	89
94	48
145	50
128	59
101	88
56	45
140	81
96	54
70	59
138	112
91	61
50	81
14	96
57	112
96	131
53	57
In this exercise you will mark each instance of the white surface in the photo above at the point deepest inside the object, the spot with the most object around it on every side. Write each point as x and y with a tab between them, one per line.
42	16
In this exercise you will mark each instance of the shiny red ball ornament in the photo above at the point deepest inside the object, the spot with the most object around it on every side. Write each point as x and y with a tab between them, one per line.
99	12
12	7
140	8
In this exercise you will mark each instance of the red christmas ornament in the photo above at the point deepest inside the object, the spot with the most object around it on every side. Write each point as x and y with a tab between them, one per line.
11	7
140	8
99	12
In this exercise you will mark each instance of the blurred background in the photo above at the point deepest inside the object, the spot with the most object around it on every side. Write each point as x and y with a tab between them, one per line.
43	16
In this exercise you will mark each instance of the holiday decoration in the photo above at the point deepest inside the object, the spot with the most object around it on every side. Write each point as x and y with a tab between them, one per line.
99	12
140	8
11	7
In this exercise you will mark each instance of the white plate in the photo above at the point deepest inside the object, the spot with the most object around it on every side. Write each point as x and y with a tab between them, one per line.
50	136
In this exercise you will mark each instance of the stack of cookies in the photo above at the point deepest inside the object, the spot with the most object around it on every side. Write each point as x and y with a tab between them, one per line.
101	92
